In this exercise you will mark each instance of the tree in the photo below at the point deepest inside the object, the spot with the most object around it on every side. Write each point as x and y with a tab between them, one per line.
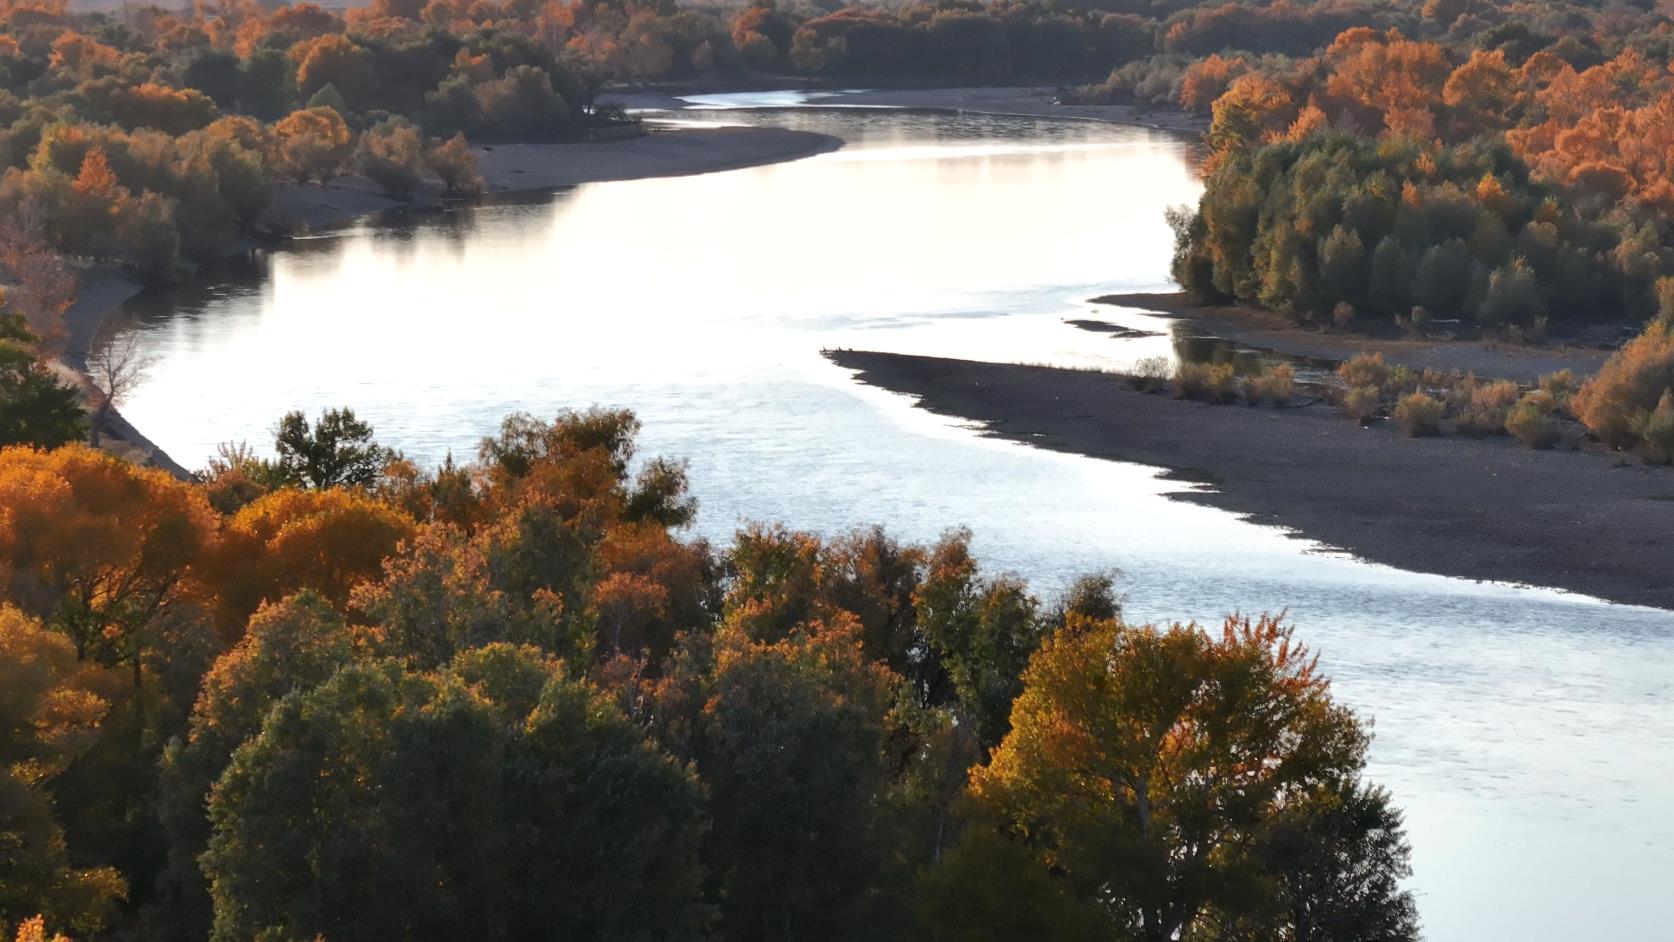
336	451
312	144
455	163
290	646
1144	765
116	370
983	632
791	739
335	60
290	539
35	407
392	154
98	547
1339	853
385	804
50	711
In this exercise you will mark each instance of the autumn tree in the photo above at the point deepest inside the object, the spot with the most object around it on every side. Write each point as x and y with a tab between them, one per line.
51	706
337	61
312	144
1147	766
291	539
392	154
98	548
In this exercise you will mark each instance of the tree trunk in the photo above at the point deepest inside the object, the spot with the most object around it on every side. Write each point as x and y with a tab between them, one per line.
95	435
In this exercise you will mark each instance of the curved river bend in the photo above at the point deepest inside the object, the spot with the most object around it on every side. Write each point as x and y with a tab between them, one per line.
1526	733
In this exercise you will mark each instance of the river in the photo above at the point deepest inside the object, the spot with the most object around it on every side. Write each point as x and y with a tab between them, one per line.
1525	732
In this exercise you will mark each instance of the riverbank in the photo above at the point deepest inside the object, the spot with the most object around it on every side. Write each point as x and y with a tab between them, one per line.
509	168
1031	101
1485	510
1255	327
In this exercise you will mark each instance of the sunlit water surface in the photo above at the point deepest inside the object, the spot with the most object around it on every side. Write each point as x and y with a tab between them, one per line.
1526	733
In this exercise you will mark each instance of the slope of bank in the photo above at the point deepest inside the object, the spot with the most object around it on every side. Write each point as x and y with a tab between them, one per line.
1487	510
1266	330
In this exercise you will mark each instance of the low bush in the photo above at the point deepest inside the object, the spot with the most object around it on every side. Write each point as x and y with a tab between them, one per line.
1365	369
1630	386
1149	375
1419	415
1656	432
1485	413
1562	387
1361	403
1272	386
1206	381
1531	420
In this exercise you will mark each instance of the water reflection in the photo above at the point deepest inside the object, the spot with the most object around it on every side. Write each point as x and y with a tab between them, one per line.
1525	732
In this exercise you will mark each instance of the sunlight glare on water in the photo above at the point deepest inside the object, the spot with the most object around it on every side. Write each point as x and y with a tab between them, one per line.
1525	732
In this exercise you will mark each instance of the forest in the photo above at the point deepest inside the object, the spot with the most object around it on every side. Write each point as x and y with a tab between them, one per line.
327	696
330	694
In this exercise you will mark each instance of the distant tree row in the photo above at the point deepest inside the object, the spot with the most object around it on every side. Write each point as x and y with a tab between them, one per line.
324	695
1338	225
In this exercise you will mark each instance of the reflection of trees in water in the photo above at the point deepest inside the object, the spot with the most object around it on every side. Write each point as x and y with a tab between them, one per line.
1190	346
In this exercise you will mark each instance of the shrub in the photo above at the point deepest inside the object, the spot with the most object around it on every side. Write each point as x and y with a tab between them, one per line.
1149	375
1486	411
1631	384
1656	432
1365	369
1419	415
1531	422
1562	387
1205	381
1273	386
1361	403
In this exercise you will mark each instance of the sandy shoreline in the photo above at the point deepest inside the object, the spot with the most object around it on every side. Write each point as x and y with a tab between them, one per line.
1258	328
1486	510
1034	101
505	168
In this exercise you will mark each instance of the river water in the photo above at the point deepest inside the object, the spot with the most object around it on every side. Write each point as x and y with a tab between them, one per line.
1525	732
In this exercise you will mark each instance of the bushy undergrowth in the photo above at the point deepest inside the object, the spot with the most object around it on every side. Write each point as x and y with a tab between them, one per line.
1209	382
1615	403
1273	386
1532	422
1419	415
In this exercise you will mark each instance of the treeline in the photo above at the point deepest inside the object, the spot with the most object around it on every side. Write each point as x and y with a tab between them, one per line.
325	695
1336	227
1501	170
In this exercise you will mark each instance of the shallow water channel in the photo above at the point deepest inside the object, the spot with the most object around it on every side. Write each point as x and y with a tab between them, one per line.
1526	733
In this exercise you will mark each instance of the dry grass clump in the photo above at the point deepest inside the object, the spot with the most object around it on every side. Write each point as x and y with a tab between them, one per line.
1615	403
1419	415
1361	403
1149	375
1485	413
1562	387
1206	381
1655	430
1531	420
1272	386
1364	369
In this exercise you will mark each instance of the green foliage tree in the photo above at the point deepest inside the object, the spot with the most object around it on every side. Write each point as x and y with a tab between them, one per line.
338	450
387	804
35	407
